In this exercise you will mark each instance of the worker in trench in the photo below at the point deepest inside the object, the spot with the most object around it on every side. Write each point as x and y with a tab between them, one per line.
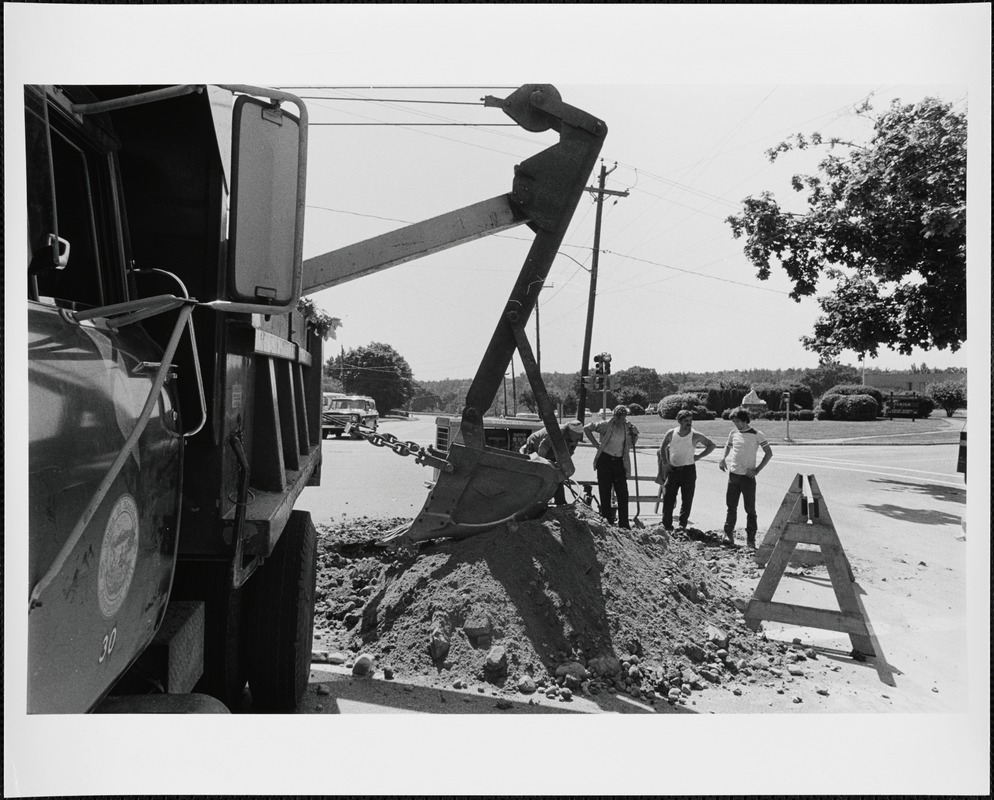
539	444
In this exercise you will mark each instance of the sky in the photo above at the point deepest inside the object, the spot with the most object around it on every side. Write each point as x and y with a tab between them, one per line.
674	291
692	96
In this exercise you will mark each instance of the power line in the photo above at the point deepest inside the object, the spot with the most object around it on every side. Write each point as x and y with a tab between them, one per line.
418	124
478	103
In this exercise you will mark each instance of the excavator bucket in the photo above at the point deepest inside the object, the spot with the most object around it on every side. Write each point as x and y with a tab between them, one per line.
486	487
479	487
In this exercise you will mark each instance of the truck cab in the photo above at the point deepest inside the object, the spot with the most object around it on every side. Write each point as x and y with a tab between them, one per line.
174	396
345	411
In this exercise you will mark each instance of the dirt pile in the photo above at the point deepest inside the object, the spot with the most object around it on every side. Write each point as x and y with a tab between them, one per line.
560	604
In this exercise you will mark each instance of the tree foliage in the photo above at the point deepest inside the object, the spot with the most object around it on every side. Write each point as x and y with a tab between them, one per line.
886	223
376	370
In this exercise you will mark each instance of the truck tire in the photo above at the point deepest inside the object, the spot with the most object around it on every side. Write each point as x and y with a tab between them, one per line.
224	663
280	618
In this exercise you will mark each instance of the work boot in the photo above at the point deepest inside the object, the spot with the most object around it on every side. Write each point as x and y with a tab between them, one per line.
730	537
751	540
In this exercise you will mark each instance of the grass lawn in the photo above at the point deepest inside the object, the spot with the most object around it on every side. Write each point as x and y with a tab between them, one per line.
935	429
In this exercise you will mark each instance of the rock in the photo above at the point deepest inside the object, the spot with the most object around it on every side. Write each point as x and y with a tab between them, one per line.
722	654
363	665
336	658
574	668
352	619
795	671
438	645
604	665
811	653
717	635
504	704
685	689
798	700
319	656
673	695
821	690
477	625
571	682
737	691
495	665
693	652
634	672
565	695
388	673
322	689
526	685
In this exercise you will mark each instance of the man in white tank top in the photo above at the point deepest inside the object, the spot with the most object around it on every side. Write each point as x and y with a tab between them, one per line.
677	471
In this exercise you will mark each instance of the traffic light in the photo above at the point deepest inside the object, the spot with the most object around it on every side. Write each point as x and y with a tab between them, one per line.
606	363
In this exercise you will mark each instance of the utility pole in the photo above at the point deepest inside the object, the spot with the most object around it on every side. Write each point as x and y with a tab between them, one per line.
538	327
599	193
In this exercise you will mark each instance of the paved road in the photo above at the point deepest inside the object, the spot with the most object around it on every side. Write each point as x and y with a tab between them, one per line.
897	510
865	486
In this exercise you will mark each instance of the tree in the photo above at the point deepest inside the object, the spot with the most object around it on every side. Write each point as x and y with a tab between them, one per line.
638	382
376	370
827	374
886	223
950	395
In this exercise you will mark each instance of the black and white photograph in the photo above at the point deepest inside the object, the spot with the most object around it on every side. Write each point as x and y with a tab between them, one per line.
497	399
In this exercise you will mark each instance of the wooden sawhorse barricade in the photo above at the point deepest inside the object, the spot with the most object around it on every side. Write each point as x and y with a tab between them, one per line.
800	521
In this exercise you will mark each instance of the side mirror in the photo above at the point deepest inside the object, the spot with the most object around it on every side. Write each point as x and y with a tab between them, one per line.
267	206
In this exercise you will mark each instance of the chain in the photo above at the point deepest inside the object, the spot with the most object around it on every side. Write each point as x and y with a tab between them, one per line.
423	455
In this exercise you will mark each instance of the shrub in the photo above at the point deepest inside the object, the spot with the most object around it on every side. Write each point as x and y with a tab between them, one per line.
806	415
772	395
822	414
856	408
855	388
827	403
635	409
671	404
926	406
949	395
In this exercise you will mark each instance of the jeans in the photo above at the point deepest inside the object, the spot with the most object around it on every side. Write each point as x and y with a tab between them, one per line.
684	480
744	486
611	475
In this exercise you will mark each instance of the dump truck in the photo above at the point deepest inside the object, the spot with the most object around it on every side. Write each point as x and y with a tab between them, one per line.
174	386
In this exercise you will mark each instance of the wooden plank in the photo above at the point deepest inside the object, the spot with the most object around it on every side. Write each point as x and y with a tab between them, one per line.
803	533
268	469
286	406
807	617
821	515
786	513
774	570
303	428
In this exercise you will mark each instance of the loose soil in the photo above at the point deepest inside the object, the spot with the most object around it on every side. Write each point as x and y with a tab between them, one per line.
560	606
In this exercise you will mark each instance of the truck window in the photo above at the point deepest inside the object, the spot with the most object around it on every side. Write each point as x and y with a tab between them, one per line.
80	213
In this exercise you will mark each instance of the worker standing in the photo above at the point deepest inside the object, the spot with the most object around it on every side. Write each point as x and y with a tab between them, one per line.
612	461
678	456
739	460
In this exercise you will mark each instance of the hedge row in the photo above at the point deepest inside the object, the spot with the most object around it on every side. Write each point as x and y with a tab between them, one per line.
720	398
804	415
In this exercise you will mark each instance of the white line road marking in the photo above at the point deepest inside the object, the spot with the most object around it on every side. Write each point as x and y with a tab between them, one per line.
822	459
874	472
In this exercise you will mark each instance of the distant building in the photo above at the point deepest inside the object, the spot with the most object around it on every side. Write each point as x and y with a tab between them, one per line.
904	381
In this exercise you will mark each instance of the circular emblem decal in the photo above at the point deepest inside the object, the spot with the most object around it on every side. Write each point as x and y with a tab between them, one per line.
118	555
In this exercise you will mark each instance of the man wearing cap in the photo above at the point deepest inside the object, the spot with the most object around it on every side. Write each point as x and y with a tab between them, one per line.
613	461
540	444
